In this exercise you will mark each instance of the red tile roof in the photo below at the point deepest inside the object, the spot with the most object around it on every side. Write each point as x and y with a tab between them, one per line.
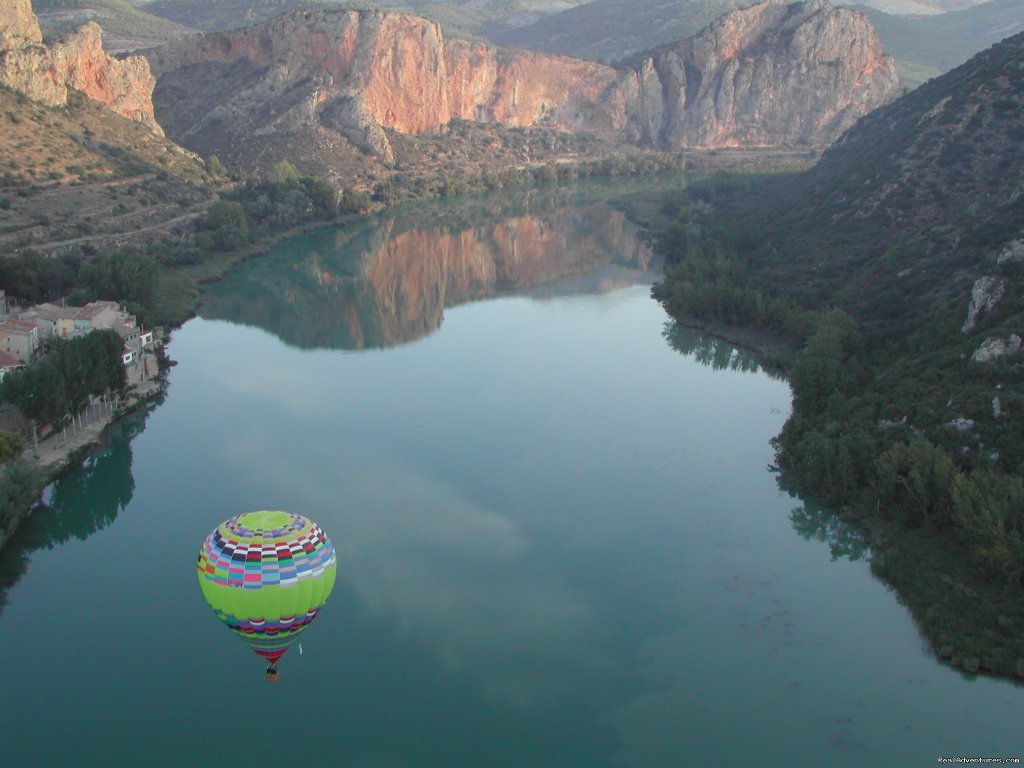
19	326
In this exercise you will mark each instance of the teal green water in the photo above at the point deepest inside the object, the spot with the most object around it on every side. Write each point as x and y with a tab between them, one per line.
559	541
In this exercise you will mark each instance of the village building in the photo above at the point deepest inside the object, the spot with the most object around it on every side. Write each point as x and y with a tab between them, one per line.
101	314
22	334
8	363
19	338
52	321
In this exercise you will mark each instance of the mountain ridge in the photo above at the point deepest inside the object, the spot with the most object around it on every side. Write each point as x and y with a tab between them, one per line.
359	74
924	46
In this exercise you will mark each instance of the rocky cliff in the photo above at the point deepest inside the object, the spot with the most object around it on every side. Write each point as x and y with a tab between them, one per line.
764	75
358	72
44	73
769	75
18	24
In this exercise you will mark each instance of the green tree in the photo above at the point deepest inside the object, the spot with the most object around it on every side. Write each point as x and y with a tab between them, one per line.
286	175
12	445
215	166
226	214
355	201
915	480
127	275
323	198
988	510
19	487
225	226
34	277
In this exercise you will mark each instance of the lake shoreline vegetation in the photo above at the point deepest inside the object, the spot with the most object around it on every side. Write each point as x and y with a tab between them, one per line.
53	391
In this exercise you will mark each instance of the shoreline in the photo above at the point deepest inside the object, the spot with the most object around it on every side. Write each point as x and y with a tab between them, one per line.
59	453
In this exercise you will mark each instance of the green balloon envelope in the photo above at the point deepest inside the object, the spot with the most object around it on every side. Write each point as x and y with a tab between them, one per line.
267	575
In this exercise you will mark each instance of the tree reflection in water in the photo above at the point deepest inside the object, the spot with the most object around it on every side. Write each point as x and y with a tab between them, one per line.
713	352
845	539
78	504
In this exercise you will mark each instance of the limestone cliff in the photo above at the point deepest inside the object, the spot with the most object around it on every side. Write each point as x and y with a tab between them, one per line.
360	71
773	74
768	74
44	73
18	24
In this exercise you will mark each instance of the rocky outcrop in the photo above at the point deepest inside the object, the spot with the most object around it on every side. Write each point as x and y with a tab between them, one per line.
18	24
987	292
997	348
352	118
1012	253
339	68
765	75
769	75
44	73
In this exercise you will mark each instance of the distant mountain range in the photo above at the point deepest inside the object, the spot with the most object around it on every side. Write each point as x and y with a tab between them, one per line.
917	7
924	46
610	30
465	17
936	35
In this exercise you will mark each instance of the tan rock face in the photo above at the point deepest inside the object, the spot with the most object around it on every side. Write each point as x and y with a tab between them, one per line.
769	75
44	73
18	24
411	79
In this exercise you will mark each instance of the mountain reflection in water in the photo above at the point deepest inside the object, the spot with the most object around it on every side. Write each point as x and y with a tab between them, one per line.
387	281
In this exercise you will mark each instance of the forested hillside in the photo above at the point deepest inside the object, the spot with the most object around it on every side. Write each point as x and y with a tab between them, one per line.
596	30
897	262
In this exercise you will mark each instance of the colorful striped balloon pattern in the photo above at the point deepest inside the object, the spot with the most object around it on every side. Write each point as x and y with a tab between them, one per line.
267	575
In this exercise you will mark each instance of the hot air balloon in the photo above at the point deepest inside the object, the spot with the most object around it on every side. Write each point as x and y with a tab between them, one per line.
267	575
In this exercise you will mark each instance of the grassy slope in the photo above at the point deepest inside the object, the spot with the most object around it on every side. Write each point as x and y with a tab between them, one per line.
84	174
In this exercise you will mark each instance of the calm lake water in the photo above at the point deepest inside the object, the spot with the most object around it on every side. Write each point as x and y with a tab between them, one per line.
559	541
